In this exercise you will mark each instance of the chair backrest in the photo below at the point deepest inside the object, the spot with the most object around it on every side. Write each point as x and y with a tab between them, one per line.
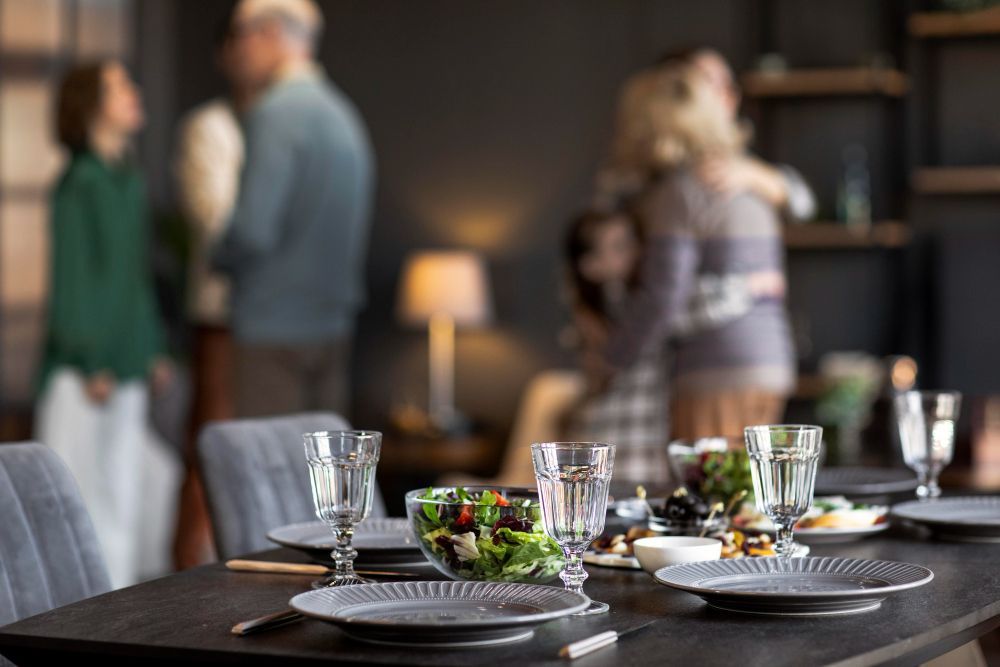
256	477
544	403
49	554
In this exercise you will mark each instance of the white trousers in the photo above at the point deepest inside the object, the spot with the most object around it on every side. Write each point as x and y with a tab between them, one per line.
127	480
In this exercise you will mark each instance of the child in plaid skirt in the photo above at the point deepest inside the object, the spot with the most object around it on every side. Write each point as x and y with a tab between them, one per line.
631	410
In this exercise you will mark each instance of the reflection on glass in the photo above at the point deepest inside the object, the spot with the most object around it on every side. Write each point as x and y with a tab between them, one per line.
21	334
24	252
23	282
32	26
102	28
30	157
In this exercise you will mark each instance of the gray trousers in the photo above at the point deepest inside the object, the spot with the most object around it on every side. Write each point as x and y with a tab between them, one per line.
285	379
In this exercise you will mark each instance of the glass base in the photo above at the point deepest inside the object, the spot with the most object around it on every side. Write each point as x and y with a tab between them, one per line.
786	549
799	551
341	580
927	492
594	608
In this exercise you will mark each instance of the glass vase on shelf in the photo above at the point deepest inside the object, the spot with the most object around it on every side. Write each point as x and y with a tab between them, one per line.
854	203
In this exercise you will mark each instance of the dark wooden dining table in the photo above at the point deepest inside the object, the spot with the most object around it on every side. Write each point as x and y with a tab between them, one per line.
187	618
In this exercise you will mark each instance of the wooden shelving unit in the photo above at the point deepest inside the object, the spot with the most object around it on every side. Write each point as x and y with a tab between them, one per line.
826	82
827	107
835	235
957	180
955	24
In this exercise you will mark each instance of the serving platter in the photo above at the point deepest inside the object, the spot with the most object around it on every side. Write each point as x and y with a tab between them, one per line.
838	535
621	561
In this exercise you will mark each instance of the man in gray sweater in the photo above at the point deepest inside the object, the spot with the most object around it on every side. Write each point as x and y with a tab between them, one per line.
297	239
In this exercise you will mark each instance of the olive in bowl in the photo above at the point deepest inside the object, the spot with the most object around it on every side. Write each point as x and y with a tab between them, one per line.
683	513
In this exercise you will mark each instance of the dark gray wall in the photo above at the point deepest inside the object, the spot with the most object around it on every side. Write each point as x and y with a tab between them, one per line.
489	119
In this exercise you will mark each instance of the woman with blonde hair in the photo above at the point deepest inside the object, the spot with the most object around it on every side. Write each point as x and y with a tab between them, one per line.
738	373
626	169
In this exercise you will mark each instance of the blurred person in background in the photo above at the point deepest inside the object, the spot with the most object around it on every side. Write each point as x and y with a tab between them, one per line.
727	377
603	251
296	242
209	159
105	342
625	174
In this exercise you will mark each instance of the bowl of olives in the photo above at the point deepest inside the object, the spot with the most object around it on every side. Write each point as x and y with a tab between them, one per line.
685	513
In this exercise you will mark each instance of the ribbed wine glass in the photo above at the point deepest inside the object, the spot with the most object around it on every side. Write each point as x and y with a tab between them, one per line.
783	460
927	434
573	480
342	474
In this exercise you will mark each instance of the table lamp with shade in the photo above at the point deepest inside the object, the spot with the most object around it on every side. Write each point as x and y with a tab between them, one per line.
443	290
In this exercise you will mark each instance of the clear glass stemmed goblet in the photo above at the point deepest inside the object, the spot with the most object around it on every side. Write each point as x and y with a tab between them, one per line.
926	422
573	480
342	475
783	460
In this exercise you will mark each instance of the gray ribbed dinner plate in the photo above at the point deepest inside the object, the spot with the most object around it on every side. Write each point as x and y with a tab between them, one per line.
965	519
863	481
439	613
794	586
379	541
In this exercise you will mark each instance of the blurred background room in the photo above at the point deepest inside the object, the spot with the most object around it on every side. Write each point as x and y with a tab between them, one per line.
477	132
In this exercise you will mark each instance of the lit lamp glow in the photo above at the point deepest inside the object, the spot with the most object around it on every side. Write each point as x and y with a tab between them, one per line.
442	290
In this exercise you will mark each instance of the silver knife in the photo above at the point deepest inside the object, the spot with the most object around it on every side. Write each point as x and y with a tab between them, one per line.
591	644
267	622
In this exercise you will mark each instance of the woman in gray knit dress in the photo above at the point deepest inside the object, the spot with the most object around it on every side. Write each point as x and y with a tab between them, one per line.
726	377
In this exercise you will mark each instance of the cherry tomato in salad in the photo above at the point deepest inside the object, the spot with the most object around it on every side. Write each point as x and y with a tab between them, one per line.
501	501
465	518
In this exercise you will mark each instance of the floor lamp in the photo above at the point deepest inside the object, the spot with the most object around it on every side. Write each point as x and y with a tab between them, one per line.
443	290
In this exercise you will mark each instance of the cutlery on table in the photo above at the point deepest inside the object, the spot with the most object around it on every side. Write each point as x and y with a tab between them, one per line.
268	622
272	567
591	644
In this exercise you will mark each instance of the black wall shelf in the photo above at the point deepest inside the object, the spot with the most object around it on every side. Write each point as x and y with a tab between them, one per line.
838	236
828	82
955	24
957	180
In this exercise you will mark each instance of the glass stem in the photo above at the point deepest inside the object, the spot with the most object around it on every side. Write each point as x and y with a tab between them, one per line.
343	554
928	486
573	575
785	545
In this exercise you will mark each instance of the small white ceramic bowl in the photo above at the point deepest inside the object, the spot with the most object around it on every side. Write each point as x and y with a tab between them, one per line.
656	552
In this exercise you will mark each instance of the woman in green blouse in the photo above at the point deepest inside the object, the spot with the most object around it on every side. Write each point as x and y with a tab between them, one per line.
104	337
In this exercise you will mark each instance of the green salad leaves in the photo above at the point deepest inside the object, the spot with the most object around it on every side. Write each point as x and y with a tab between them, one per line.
486	536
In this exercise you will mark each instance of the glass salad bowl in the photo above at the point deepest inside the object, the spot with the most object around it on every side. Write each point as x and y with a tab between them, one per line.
480	533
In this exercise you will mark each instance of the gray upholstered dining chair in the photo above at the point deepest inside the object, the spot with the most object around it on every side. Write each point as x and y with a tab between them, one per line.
256	477
49	554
